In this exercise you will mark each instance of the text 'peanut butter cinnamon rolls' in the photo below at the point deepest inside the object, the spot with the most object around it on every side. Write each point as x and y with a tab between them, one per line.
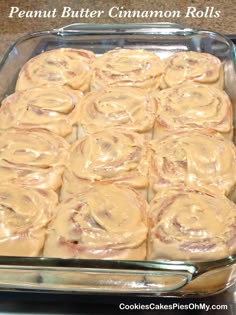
127	67
32	157
24	216
126	107
64	66
111	155
106	222
191	226
206	161
191	105
192	66
55	108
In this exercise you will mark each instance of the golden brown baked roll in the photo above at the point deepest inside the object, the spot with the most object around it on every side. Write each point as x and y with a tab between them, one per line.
126	107
127	67
63	66
55	108
205	161
111	155
192	66
106	222
192	105
32	157
192	226
24	214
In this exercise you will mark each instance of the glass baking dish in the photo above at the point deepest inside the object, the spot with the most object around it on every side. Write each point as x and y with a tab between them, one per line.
157	278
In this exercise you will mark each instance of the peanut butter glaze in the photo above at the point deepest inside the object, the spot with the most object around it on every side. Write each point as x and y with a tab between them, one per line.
198	160
64	66
24	216
107	222
49	107
190	225
32	157
192	66
127	67
191	105
126	107
110	155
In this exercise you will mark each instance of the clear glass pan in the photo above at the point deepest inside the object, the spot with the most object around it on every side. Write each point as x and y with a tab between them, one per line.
117	277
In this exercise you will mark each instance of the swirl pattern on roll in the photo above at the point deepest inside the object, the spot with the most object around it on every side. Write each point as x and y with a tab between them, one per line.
106	222
49	107
32	157
110	155
191	105
126	107
192	66
196	159
63	66
24	215
191	226
127	67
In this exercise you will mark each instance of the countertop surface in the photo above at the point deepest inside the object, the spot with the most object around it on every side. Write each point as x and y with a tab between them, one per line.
14	27
39	304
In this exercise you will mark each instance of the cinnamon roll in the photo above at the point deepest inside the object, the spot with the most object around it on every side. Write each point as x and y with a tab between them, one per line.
127	67
192	226
64	66
24	215
106	222
73	185
53	108
32	157
126	107
200	160
111	155
192	66
192	105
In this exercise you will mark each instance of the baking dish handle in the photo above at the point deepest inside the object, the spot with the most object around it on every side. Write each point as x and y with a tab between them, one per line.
78	275
104	276
164	27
